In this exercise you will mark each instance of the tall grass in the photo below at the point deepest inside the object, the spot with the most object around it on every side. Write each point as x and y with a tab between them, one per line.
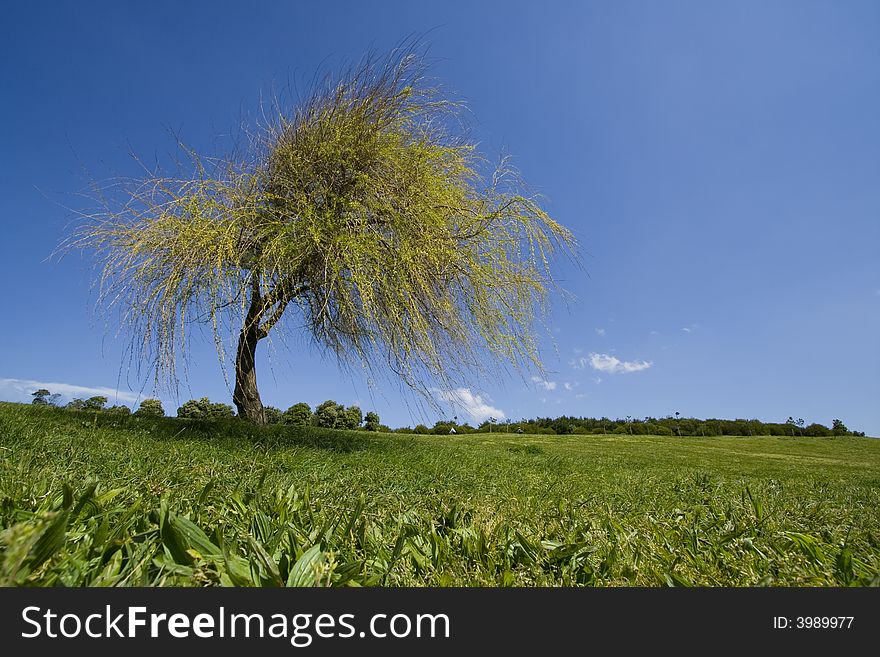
96	500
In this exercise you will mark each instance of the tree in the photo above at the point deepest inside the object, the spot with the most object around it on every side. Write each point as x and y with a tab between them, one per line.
298	414
327	414
193	409
273	415
76	404
119	410
372	421
838	428
365	212
40	397
95	403
817	430
150	408
204	409
350	418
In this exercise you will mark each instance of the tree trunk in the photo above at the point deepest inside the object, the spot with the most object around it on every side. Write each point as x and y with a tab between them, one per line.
246	395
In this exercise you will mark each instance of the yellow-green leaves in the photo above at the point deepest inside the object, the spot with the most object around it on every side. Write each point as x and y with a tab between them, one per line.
365	210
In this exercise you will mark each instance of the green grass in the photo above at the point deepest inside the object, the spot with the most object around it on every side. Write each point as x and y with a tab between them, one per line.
95	500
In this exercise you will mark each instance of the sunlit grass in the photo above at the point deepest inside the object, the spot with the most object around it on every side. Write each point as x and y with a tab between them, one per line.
93	499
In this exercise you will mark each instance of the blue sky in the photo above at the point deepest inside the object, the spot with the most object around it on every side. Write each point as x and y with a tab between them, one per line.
719	163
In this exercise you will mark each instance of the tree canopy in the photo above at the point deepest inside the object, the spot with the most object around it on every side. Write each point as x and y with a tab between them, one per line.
364	217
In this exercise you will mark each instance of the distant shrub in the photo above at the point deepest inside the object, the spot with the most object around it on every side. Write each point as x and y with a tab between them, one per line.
150	408
817	430
327	414
350	418
204	409
562	428
372	422
95	403
119	410
273	415
299	415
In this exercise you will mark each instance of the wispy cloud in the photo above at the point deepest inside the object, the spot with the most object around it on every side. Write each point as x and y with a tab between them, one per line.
689	329
473	405
600	332
610	364
655	332
21	390
597	380
543	383
686	329
571	385
578	350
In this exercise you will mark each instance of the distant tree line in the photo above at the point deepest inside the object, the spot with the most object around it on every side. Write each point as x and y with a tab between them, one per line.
666	426
332	415
329	414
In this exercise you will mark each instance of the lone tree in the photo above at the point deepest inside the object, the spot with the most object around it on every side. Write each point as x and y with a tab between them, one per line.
364	216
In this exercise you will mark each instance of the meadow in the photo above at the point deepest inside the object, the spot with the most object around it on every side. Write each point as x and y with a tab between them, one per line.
92	499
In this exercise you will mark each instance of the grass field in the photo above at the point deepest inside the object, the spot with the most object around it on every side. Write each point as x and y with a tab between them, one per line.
98	500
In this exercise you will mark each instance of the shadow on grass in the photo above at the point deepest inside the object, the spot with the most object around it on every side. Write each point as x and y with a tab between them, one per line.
172	428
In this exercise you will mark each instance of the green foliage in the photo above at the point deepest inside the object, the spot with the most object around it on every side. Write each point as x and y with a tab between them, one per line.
204	409
817	430
329	415
40	396
135	501
351	418
299	415
150	408
119	410
95	403
273	415
669	426
365	210
372	421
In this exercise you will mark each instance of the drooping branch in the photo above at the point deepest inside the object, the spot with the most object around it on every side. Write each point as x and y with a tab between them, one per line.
366	210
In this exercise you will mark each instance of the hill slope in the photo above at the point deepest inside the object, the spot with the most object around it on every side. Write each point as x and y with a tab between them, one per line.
89	499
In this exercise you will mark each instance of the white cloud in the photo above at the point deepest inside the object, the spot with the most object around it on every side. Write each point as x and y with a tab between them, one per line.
686	329
597	380
600	332
21	389
472	404
610	364
571	385
543	383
